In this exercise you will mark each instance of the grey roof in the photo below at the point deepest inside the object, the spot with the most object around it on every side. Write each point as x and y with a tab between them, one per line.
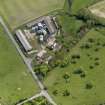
50	25
23	40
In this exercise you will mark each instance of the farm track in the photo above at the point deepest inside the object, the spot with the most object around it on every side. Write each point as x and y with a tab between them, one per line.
98	9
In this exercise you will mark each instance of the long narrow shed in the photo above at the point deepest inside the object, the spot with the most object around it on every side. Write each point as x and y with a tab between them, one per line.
23	40
49	24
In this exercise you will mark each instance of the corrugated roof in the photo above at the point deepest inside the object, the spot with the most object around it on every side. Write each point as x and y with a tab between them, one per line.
49	24
23	40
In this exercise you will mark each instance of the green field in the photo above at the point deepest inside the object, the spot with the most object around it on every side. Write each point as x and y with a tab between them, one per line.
95	74
15	81
17	12
79	4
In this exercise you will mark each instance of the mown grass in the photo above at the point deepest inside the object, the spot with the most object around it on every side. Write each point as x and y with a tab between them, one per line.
17	12
15	81
79	95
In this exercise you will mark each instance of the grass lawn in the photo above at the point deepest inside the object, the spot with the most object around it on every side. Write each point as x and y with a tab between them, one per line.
95	74
15	81
17	12
79	4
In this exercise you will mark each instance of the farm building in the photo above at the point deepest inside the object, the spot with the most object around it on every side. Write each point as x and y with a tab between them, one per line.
36	33
43	22
50	25
21	37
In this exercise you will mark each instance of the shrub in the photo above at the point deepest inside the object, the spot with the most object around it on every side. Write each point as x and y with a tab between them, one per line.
66	76
87	46
91	67
97	63
103	45
83	75
91	40
66	93
55	92
86	15
73	62
96	49
64	63
96	59
89	86
78	71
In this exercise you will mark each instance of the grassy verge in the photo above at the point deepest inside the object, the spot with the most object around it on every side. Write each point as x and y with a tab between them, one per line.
15	81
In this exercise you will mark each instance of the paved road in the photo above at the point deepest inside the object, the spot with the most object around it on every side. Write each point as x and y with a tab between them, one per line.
27	61
36	96
42	93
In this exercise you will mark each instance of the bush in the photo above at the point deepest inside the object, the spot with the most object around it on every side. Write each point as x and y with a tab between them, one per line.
55	92
83	75
86	15
64	63
96	59
87	46
97	63
41	70
103	45
96	49
76	56
91	67
89	86
91	40
78	71
66	93
73	62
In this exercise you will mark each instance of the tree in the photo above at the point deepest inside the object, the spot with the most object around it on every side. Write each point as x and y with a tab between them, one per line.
37	69
41	70
90	23
66	93
64	63
66	76
41	101
87	46
83	75
78	71
55	92
91	40
89	86
44	69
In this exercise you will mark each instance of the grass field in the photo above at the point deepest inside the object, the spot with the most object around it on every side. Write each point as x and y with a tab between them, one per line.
98	9
79	95
79	4
17	12
70	25
15	81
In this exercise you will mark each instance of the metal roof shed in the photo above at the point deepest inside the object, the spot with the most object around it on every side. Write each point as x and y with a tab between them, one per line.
23	40
50	25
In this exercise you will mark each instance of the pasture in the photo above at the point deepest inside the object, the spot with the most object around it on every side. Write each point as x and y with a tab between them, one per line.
79	4
15	81
98	9
92	64
17	12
